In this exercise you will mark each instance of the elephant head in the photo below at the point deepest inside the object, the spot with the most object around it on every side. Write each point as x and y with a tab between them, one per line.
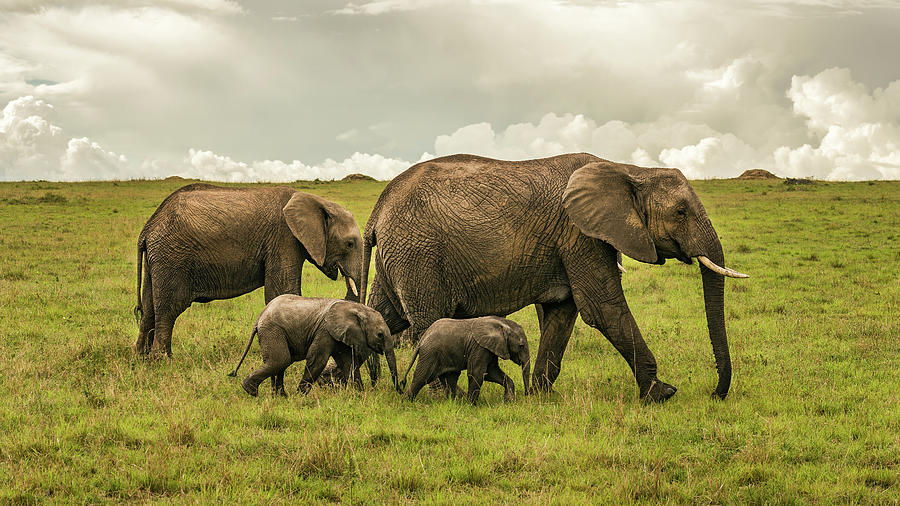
507	340
330	235
363	329
651	215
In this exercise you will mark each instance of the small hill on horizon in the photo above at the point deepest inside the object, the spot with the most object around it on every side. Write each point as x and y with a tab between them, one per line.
757	174
357	177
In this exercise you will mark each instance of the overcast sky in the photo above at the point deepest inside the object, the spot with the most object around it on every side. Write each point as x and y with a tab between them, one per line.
280	90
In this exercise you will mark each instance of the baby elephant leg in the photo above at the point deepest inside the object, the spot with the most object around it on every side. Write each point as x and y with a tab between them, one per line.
278	384
421	377
496	375
476	375
316	360
450	383
276	358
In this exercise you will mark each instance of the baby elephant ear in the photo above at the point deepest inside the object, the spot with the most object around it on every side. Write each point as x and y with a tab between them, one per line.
346	325
493	339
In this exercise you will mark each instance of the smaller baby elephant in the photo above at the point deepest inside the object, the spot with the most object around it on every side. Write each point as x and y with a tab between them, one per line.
293	328
475	344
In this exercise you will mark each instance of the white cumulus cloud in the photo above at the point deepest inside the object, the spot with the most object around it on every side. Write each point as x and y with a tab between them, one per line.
859	130
210	166
31	147
830	126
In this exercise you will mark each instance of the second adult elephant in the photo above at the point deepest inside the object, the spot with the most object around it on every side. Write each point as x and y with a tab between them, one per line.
464	236
207	242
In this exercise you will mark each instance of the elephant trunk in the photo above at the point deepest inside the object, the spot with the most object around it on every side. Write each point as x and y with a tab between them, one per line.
526	374
714	300
352	271
392	362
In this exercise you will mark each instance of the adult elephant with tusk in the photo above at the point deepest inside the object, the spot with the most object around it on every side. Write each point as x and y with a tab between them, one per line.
207	242
464	236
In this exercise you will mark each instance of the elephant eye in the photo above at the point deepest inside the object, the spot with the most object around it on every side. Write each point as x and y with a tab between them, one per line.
681	213
350	243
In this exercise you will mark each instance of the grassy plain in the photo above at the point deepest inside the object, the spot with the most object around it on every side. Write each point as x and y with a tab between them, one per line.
813	415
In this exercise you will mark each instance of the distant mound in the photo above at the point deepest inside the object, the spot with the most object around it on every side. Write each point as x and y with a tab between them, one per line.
358	177
174	178
757	174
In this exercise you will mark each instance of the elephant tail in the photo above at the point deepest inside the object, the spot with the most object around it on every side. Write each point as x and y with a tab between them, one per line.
141	250
411	362
252	335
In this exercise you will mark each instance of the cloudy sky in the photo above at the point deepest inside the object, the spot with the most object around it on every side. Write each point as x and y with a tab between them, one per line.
280	90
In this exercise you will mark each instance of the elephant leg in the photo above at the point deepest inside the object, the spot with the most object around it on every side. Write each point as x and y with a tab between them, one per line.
316	360
148	319
165	313
381	302
496	375
476	378
450	382
617	324
557	321
278	384
343	359
283	274
373	365
357	379
276	358
171	296
421	377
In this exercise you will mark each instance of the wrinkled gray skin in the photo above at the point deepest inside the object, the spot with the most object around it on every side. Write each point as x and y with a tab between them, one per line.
206	242
475	345
464	236
293	328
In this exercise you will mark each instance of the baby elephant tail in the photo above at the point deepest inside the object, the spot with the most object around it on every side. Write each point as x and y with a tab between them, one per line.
252	335
411	362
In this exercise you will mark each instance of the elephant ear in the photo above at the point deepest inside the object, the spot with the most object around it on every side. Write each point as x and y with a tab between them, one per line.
307	216
345	324
494	340
601	200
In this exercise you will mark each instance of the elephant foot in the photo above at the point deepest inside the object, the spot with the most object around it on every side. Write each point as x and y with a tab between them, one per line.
249	387
540	386
659	392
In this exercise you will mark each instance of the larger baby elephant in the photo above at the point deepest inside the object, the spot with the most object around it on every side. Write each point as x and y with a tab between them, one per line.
475	344
206	242
293	328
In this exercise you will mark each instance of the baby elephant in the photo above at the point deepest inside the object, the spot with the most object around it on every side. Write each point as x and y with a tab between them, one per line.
293	328
449	346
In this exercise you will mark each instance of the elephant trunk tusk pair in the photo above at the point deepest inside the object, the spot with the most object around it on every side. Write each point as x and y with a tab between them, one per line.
725	271
350	282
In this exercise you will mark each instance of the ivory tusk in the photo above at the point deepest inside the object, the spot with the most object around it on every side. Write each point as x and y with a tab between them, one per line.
725	271
352	286
621	267
619	261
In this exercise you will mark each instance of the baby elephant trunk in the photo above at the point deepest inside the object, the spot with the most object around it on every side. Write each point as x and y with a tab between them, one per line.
392	363
526	374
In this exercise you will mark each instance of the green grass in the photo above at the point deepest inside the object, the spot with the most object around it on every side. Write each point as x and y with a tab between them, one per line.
813	415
